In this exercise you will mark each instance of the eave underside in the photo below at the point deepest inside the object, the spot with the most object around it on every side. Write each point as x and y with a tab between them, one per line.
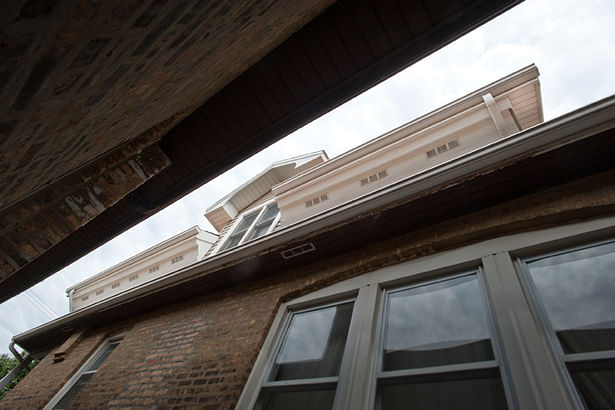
348	48
472	195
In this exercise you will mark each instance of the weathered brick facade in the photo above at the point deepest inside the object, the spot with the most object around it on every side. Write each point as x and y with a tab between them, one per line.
78	79
199	353
208	82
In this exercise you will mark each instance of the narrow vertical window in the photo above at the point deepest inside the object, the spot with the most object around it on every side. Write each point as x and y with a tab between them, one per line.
305	369
576	298
83	375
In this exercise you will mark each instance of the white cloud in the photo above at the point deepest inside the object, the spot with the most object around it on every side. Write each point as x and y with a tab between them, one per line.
570	42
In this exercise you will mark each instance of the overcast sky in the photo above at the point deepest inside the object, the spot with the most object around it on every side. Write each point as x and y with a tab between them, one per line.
571	42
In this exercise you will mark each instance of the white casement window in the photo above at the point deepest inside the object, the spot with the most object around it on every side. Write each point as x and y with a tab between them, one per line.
463	329
308	359
574	296
254	224
433	348
436	348
84	374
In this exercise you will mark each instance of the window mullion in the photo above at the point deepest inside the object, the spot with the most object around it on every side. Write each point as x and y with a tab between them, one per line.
275	221
357	368
451	368
587	356
537	384
497	345
309	384
251	228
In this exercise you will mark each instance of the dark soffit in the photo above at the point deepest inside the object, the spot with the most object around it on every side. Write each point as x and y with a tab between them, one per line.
347	49
516	179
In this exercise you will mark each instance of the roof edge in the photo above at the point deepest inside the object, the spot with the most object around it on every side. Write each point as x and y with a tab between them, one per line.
520	77
271	167
192	231
568	128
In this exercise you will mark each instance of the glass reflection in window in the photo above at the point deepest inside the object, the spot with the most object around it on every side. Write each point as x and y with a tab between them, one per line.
314	344
296	400
577	291
265	221
436	324
479	393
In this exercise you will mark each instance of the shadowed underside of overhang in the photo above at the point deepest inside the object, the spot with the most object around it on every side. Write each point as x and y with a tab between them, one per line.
545	169
203	84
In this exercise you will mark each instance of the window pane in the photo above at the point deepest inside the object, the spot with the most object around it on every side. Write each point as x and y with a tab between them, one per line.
245	223
436	324
314	344
577	290
472	394
103	356
72	392
297	400
265	221
233	241
597	388
270	213
260	230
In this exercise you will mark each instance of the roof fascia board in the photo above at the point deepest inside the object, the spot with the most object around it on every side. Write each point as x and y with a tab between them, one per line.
402	138
206	236
269	169
130	262
448	112
182	246
572	127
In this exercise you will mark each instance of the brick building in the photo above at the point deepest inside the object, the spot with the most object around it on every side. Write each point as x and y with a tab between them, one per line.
112	110
462	260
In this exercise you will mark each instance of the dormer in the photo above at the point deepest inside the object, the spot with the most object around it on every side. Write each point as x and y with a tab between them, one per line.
250	211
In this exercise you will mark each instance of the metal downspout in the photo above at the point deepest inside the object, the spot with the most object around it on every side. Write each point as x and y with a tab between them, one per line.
70	299
23	364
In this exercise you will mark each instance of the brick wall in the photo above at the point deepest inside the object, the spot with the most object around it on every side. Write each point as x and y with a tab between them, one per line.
48	377
79	78
199	353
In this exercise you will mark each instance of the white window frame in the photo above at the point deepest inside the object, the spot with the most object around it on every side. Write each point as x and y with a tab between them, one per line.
528	370
496	365
75	377
560	357
311	383
260	210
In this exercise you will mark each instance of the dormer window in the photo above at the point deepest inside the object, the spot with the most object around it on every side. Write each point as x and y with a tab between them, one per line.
253	225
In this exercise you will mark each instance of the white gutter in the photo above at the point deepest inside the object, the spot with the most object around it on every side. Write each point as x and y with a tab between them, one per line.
438	117
127	263
572	127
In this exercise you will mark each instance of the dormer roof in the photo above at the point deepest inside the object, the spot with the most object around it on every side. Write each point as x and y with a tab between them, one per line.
223	211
